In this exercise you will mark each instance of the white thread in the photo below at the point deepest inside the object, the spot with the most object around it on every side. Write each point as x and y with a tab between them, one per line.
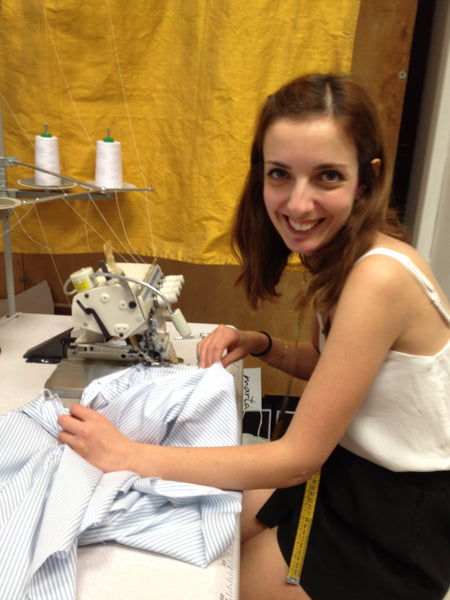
108	165
52	258
86	233
102	216
113	37
127	239
66	83
260	413
14	116
46	156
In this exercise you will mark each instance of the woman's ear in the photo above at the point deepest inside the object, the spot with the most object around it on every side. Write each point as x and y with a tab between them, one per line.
376	166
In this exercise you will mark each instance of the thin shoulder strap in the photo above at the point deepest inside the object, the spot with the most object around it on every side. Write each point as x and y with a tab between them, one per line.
426	284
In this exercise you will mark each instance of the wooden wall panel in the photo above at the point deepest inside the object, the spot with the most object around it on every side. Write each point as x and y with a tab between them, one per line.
380	61
19	286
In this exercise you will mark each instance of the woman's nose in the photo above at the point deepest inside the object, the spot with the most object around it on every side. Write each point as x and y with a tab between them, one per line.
302	198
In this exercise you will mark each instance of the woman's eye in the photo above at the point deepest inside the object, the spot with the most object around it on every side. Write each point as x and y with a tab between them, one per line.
331	176
277	174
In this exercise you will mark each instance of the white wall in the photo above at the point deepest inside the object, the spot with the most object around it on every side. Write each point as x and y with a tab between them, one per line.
440	249
428	202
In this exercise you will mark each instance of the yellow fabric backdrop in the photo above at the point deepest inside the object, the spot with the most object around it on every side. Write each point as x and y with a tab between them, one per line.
178	82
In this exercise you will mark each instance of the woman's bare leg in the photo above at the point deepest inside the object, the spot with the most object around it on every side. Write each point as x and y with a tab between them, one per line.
264	570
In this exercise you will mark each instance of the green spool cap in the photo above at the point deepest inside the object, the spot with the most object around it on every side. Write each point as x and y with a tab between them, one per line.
46	133
108	138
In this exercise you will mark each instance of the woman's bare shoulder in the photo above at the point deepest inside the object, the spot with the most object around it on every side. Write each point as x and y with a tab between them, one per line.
395	269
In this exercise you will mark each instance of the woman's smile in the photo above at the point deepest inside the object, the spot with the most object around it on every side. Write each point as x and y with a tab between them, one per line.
304	226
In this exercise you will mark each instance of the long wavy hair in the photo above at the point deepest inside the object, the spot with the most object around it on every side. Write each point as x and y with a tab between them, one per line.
262	253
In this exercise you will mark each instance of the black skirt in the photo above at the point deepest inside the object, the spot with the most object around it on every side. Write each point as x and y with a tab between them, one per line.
376	534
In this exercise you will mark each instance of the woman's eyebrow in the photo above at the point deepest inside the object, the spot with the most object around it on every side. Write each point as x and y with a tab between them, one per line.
318	167
332	166
276	163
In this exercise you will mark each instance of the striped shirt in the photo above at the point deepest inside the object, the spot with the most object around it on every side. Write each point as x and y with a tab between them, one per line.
51	499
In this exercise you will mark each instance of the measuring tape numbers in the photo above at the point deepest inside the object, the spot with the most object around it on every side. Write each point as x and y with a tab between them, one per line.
303	529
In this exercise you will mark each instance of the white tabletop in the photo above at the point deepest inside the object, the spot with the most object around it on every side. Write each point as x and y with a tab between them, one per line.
111	571
20	381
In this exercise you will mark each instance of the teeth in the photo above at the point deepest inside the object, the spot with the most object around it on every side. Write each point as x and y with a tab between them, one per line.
304	226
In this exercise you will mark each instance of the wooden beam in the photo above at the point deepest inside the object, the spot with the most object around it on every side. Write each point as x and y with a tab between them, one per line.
380	60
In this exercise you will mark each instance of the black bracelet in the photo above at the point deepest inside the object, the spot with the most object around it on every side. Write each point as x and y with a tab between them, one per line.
267	350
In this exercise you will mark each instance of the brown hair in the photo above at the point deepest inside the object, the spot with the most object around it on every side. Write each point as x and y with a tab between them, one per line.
262	251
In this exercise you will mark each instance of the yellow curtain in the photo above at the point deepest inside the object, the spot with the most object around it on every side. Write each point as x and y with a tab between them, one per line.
179	83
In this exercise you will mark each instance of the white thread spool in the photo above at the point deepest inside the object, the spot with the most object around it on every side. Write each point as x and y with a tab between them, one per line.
82	280
46	156
108	164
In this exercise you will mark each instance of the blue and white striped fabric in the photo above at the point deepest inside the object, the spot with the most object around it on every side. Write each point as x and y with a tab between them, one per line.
51	499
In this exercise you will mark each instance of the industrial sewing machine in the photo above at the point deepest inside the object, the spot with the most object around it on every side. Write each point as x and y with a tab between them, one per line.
120	313
119	317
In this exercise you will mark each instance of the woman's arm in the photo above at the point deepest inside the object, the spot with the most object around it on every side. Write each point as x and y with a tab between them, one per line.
295	359
92	436
369	318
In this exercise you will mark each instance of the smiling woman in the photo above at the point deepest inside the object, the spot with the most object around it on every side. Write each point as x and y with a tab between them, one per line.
376	366
316	187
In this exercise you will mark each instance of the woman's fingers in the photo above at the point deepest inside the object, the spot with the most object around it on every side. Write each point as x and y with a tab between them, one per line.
211	349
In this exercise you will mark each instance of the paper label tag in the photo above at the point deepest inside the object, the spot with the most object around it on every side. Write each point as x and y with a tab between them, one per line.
252	389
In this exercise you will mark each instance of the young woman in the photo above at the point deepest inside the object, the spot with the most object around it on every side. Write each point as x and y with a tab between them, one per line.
375	413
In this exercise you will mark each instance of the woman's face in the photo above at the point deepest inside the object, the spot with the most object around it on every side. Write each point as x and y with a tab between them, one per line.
310	180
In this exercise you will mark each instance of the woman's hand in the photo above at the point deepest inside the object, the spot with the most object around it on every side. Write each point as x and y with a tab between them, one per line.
95	439
238	344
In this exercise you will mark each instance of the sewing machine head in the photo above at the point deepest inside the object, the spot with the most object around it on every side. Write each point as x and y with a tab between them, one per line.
120	312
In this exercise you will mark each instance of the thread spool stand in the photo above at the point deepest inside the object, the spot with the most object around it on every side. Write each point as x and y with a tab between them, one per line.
11	198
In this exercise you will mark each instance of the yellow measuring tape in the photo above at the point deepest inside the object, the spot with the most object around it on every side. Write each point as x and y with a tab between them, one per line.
303	529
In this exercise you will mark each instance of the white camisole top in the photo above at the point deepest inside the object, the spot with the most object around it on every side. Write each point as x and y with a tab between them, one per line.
403	423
